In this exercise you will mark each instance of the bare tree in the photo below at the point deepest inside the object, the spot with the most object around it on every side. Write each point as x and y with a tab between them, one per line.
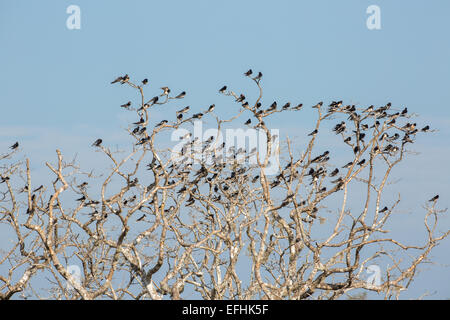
209	220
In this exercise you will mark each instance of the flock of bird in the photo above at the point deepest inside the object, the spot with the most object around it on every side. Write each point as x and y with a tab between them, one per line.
239	174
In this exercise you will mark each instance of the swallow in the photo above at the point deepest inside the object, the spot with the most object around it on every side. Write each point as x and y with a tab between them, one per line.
97	143
241	98
141	121
369	109
197	115
298	107
165	90
184	110
361	162
39	188
141	218
335	172
81	199
434	198
135	130
286	106
383	210
181	95
117	80
425	129
404	112
141	132
222	90
348	139
211	108
153	100
248	73
245	104
161	123
83	185
258	77
14	146
248	121
126	105
348	165
4	179
313	133
145	81
355	149
318	105
273	106
125	78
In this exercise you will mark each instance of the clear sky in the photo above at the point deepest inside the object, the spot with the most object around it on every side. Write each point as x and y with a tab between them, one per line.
55	91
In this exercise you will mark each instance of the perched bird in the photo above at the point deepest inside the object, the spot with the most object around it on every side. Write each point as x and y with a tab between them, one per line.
141	218
14	146
286	106
369	109
425	129
384	210
161	123
141	121
273	106
348	165
153	100
248	121
258	77
97	143
166	91
181	95
434	198
145	81
361	162
197	115
125	78
241	98
313	133
184	110
222	90
318	105
126	105
81	199
404	112
117	80
298	107
38	188
211	108
335	172
248	73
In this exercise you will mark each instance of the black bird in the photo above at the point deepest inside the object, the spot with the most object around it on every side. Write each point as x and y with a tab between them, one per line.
425	129
81	199
248	73
335	172
184	110
211	108
125	78
97	143
161	123
313	133
273	106
404	112
384	210
141	218
361	162
434	198
181	95
348	139
348	165
141	121
369	109
258	77
248	121
4	179
39	188
245	104
126	105
241	98
14	146
318	105
117	80
222	90
298	107
153	100
197	115
355	149
286	106
135	130
145	81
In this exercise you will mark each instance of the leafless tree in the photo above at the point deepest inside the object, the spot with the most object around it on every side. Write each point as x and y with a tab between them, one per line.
208	220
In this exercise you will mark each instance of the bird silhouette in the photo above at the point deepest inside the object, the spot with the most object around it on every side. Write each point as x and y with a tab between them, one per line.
14	146
434	198
97	143
248	73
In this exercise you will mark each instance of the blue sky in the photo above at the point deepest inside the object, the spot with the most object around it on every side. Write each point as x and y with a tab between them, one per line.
55	90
